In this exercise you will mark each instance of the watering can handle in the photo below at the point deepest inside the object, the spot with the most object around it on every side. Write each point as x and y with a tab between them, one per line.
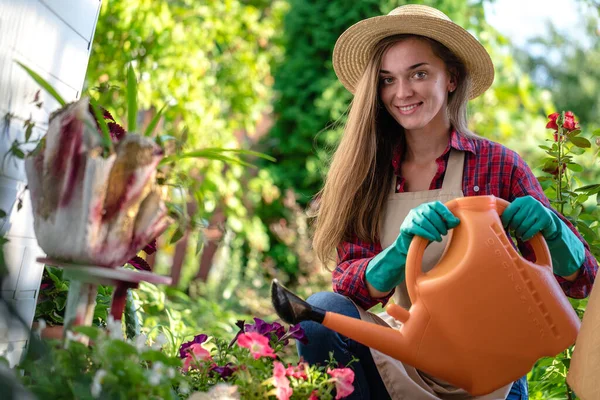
537	242
418	245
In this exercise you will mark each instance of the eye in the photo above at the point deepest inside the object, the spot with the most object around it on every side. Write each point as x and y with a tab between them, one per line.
386	80
420	75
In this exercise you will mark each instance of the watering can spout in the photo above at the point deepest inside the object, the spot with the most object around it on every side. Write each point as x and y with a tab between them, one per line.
292	309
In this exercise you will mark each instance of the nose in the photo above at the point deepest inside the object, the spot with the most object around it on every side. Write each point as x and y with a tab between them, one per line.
404	89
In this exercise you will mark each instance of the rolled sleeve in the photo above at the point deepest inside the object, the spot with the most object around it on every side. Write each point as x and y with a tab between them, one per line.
349	276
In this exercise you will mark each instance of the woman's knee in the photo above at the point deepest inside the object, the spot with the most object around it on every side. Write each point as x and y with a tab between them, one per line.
334	302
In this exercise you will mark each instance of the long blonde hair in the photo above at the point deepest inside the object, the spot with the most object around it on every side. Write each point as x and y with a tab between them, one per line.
352	200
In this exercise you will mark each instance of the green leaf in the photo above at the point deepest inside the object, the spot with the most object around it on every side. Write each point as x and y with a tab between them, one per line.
90	331
216	154
590	189
241	151
582	198
574	167
60	302
164	138
17	152
154	356
29	131
200	243
132	323
43	83
546	184
123	348
106	140
576	150
580	142
596	132
176	236
574	133
131	99
152	125
209	155
586	231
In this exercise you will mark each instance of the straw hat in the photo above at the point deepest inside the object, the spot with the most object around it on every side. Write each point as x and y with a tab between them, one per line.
354	47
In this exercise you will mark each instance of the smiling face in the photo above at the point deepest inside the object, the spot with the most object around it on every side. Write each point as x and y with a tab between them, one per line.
414	85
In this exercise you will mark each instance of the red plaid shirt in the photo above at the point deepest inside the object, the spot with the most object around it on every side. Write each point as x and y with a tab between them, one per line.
490	169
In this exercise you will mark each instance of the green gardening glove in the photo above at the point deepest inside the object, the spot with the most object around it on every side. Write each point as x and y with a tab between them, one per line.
527	216
430	221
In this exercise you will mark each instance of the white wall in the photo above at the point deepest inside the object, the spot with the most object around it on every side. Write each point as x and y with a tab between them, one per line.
54	38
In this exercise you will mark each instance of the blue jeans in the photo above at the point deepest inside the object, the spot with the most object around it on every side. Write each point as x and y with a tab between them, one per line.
367	381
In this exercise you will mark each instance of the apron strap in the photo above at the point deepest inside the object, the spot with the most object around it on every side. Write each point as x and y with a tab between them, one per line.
454	170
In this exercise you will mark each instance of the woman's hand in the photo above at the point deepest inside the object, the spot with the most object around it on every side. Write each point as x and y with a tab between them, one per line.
430	221
527	216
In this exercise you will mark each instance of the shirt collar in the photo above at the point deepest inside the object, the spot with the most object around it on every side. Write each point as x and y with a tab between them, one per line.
457	141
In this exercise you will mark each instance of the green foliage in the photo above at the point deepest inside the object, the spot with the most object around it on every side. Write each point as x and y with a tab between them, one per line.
43	83
132	322
211	64
309	96
132	106
570	195
111	368
53	299
106	139
179	316
563	151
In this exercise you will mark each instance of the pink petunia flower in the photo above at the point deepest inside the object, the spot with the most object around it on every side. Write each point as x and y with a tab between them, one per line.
283	391
313	395
198	339
297	371
195	353
257	344
343	378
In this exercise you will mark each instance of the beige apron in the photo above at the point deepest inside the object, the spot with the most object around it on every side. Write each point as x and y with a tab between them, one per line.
401	380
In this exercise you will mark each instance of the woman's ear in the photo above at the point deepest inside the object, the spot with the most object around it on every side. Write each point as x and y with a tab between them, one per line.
453	83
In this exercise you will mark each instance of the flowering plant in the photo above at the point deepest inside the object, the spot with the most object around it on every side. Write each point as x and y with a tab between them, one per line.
564	173
251	364
101	193
248	367
109	368
564	185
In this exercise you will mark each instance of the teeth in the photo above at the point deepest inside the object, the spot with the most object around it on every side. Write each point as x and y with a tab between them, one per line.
408	108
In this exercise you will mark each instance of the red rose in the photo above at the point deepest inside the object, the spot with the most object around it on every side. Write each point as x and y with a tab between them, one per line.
570	124
552	123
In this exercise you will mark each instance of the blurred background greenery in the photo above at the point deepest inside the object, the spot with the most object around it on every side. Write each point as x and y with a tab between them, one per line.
257	74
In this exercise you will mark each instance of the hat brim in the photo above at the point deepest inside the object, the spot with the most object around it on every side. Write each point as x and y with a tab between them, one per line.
354	47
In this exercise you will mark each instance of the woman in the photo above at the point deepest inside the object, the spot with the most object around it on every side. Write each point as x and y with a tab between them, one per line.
405	151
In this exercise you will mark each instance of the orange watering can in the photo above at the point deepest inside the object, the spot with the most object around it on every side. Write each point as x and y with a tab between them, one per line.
479	319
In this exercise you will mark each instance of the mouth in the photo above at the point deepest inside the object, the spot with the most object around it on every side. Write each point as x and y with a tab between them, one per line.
409	109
